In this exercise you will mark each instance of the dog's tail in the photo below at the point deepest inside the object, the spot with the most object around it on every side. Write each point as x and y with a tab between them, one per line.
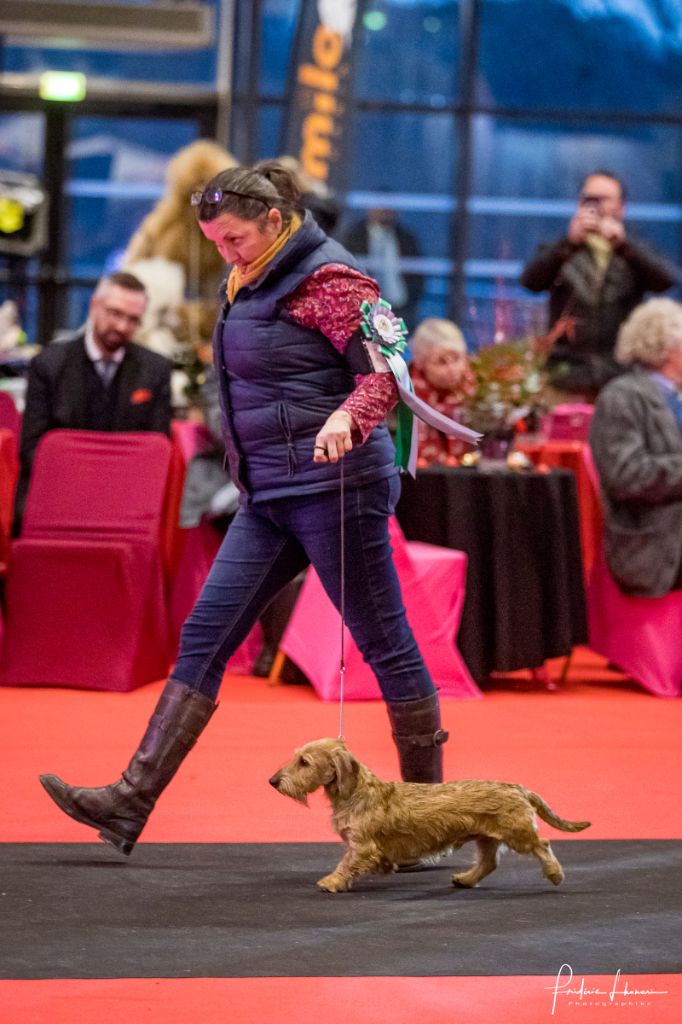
548	815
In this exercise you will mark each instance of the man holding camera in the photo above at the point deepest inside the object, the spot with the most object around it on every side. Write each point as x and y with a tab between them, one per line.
595	277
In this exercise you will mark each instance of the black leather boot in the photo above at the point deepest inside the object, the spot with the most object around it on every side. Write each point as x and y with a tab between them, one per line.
120	811
419	738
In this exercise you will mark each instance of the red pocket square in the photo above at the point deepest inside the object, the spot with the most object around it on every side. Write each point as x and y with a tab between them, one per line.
140	396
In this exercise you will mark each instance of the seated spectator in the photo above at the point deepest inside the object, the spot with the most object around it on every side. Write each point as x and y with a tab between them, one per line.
96	378
636	439
441	377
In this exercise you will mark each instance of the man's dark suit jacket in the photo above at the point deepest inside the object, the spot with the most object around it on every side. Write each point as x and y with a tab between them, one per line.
637	449
55	398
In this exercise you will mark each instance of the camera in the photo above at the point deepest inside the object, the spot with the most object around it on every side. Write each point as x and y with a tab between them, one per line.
591	203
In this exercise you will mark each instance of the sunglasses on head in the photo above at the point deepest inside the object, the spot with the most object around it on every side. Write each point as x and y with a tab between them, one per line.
212	196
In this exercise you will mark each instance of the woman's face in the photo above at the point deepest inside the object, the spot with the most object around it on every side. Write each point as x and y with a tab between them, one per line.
672	366
241	242
444	368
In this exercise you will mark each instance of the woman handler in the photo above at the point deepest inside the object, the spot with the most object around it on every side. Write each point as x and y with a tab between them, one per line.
301	391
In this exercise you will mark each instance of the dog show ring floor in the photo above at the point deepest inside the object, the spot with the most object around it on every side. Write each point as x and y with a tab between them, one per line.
216	915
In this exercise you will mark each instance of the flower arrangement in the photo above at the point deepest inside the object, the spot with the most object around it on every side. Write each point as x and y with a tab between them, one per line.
509	378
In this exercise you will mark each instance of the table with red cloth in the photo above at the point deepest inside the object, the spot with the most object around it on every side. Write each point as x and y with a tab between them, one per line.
525	599
570	455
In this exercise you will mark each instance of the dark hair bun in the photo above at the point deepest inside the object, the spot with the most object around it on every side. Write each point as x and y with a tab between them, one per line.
282	179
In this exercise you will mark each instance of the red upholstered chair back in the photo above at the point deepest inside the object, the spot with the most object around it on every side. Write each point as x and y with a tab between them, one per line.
90	564
9	469
10	417
94	484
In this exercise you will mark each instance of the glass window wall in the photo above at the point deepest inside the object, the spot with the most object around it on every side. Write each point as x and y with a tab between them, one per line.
473	120
408	53
591	55
22	145
115	173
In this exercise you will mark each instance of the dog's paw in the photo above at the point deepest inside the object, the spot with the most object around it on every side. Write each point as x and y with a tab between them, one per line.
464	880
333	883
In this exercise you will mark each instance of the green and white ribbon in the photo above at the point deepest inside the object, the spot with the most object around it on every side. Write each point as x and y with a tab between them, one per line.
382	328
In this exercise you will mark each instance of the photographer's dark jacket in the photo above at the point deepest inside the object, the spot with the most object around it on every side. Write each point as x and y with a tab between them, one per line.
595	302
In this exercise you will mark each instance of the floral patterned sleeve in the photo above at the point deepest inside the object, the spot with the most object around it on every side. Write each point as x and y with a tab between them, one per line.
329	301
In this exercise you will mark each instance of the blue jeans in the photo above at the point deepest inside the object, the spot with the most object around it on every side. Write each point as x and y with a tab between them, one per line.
267	545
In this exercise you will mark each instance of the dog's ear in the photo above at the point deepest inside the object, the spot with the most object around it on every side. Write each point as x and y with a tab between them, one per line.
346	770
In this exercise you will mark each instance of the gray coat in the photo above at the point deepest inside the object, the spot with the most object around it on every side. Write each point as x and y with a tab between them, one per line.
637	448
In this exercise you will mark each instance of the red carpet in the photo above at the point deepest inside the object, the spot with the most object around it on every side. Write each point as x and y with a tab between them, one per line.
597	748
594	749
527	1000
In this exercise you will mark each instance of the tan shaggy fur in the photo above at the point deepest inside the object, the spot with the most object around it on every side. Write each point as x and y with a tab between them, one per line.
385	824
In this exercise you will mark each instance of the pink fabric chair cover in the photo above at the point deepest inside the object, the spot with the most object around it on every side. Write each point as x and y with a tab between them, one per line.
86	588
433	585
199	547
9	471
641	635
569	421
10	417
190	437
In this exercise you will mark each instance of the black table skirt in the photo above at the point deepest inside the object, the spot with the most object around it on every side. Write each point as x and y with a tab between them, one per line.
525	600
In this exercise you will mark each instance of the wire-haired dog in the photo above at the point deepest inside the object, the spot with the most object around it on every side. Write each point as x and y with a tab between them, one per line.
385	824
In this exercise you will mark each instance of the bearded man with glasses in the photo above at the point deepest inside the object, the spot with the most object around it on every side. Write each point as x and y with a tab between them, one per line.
96	378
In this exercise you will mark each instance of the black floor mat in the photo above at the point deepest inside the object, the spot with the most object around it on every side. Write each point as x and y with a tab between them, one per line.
253	910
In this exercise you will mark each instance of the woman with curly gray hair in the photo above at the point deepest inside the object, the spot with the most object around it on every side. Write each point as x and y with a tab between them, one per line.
636	439
651	333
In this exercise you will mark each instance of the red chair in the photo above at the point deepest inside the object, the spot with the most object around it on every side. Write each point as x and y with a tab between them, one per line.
433	585
10	417
86	588
638	634
9	471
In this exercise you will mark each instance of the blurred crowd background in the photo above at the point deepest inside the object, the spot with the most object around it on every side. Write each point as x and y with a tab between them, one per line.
473	121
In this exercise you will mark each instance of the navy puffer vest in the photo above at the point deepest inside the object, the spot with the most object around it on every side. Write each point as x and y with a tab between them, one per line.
279	382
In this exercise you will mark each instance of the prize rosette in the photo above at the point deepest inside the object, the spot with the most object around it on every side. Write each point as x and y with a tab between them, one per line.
388	332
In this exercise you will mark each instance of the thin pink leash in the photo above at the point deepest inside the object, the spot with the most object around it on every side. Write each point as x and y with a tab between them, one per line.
342	662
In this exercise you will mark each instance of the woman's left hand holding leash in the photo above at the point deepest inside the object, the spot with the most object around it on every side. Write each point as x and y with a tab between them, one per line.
334	439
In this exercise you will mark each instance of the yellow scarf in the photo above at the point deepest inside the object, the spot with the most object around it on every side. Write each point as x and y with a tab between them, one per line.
238	278
601	250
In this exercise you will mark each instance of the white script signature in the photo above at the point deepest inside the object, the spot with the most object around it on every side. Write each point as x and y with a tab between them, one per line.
565	986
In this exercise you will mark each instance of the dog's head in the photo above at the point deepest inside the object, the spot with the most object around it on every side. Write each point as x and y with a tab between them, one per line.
327	763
